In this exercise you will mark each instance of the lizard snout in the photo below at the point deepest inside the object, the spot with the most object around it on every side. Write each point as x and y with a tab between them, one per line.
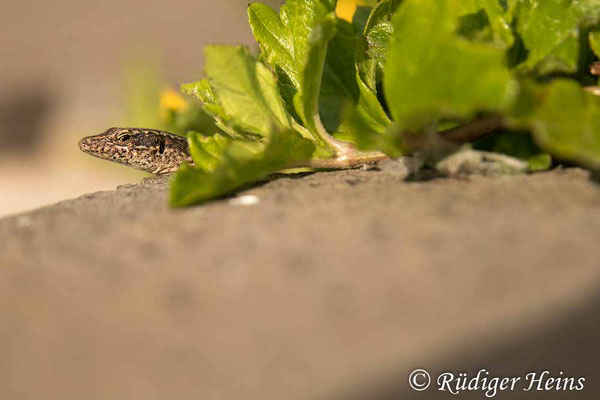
84	144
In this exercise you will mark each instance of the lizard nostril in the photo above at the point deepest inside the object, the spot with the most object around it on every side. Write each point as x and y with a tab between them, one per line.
85	144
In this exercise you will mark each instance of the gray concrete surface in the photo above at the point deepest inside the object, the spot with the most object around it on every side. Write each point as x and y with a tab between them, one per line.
335	286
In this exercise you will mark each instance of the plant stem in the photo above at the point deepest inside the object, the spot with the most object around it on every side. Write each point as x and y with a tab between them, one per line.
474	130
593	90
349	160
347	156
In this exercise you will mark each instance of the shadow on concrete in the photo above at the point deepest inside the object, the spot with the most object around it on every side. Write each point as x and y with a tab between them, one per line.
571	345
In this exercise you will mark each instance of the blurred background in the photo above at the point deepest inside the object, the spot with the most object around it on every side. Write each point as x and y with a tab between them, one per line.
71	69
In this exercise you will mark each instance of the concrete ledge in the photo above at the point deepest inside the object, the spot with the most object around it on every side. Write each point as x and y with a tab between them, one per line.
334	286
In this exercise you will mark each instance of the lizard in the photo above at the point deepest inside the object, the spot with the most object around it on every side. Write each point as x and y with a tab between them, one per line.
149	150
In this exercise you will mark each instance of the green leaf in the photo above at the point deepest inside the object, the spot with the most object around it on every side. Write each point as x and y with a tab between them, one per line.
285	39
477	15
539	162
550	31
382	11
366	121
567	123
374	35
370	137
361	16
235	163
338	85
240	93
378	39
194	118
296	44
207	151
275	40
246	89
595	43
370	108
306	100
204	92
211	106
432	73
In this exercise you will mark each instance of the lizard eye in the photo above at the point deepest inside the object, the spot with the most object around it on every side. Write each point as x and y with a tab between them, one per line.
124	138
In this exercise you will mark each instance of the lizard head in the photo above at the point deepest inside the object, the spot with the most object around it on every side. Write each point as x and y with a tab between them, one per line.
150	150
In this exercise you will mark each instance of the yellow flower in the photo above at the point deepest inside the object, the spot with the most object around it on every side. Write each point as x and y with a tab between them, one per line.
170	100
346	8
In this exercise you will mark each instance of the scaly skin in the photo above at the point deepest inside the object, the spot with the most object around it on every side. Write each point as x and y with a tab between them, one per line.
150	150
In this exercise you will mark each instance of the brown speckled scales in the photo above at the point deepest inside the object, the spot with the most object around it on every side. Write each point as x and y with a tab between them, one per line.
150	150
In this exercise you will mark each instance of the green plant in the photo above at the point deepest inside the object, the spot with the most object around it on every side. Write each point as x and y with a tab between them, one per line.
325	92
